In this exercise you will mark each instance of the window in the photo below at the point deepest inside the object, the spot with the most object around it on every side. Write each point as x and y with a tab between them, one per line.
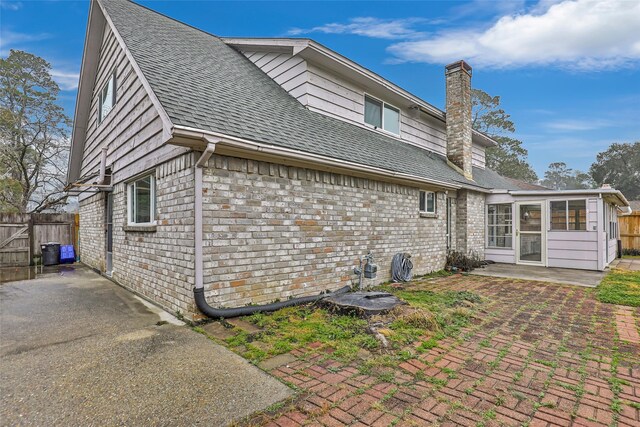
142	203
569	215
107	98
381	115
428	202
499	226
613	230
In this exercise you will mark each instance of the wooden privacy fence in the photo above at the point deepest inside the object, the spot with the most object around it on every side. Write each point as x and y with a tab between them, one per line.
22	234
630	230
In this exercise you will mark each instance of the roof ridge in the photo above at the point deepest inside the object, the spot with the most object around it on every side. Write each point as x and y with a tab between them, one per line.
168	17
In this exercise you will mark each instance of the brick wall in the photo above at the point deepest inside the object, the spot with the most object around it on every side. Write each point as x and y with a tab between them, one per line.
160	264
157	264
91	231
274	231
470	222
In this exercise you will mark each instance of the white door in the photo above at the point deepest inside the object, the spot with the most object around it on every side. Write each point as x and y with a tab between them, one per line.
530	233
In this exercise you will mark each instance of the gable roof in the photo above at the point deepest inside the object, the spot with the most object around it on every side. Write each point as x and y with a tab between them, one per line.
202	83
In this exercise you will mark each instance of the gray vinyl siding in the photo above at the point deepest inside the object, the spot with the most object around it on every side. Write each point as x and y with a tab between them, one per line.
132	130
573	249
288	71
478	156
327	93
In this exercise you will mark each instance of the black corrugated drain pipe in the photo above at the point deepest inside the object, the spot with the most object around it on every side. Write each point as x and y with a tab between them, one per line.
227	313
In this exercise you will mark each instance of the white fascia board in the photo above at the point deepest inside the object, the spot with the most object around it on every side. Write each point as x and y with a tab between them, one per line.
587	192
88	71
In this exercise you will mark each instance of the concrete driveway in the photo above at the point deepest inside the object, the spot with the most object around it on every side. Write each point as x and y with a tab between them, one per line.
76	349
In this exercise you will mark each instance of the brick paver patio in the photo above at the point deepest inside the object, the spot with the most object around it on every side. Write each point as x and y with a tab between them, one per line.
540	355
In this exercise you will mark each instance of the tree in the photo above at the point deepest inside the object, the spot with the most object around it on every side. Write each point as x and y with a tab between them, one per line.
619	166
34	145
559	177
509	157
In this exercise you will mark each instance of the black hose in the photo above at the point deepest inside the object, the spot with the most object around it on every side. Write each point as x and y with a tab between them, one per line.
401	267
227	313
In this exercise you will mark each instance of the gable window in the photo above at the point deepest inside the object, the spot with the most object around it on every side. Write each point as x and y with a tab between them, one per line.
381	115
142	203
107	98
428	202
499	226
569	215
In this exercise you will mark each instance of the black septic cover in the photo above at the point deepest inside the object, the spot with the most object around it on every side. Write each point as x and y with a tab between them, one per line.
368	303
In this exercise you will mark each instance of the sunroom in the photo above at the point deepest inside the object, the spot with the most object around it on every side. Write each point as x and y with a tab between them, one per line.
566	229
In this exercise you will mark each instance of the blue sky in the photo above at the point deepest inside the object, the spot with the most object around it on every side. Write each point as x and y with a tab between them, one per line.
568	71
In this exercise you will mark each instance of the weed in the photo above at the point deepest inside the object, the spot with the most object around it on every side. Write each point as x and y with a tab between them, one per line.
616	405
549	363
489	415
451	374
500	400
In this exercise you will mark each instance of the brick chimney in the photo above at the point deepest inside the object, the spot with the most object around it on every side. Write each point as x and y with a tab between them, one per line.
458	80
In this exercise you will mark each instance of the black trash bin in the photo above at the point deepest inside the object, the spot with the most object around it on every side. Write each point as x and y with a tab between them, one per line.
50	253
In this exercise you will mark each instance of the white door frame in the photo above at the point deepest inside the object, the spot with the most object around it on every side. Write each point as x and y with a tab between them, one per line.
542	232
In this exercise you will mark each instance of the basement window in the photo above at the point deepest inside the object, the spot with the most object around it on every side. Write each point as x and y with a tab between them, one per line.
499	226
381	115
569	215
142	201
427	202
107	98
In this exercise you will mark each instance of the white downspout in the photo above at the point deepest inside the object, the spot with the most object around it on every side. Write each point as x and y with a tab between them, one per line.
202	161
103	166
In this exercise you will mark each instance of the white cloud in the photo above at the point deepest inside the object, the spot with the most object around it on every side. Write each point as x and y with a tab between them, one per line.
66	80
580	34
570	125
10	5
15	40
369	27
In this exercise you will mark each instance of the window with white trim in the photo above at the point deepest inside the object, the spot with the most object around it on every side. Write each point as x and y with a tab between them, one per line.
107	98
500	225
569	215
428	202
381	115
142	200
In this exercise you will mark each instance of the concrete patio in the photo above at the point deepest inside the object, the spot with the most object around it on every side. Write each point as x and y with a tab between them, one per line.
76	349
566	276
632	264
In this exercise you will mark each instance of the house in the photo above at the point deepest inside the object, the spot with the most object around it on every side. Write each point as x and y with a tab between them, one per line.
262	169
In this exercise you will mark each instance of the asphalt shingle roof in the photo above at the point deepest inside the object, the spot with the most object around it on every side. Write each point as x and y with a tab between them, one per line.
205	84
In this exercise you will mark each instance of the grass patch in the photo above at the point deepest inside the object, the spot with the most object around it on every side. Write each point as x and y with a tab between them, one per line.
620	287
430	317
295	327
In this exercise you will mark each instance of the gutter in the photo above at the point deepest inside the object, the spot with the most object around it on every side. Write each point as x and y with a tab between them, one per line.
198	290
623	207
310	158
